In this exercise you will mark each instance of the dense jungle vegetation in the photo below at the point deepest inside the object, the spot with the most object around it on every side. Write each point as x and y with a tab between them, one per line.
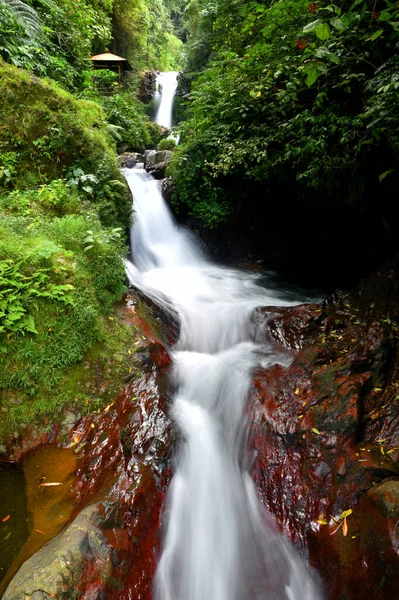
291	146
65	207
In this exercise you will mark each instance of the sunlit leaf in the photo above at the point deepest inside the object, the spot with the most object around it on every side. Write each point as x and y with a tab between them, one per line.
323	31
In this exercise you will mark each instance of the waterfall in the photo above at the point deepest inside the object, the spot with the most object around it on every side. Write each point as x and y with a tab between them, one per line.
218	542
167	84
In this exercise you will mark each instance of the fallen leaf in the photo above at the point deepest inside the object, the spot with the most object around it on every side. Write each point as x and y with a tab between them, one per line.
6	518
7	536
322	522
316	431
50	484
345	528
297	392
345	514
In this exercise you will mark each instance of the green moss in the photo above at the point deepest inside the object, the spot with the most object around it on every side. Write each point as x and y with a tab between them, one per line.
64	208
46	132
88	385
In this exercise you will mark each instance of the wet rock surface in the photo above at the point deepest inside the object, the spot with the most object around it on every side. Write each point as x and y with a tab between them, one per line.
323	450
109	547
156	162
147	86
324	435
130	159
56	571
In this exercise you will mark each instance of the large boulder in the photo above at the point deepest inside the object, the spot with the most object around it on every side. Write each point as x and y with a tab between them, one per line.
156	162
130	159
325	435
81	553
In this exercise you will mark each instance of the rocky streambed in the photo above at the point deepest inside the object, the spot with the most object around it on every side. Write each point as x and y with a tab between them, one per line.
323	450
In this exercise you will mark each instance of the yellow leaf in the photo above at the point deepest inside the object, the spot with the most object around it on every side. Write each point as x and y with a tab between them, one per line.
322	522
315	430
345	514
259	94
382	450
296	391
300	416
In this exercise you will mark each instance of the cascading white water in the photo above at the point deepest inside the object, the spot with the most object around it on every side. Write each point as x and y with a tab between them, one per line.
219	543
167	84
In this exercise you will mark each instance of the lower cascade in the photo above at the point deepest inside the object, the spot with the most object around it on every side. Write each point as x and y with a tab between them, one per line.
219	542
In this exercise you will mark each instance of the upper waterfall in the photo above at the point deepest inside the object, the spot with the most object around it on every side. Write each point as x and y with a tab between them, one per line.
166	84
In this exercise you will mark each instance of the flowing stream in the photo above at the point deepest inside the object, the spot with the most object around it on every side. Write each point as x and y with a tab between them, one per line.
219	544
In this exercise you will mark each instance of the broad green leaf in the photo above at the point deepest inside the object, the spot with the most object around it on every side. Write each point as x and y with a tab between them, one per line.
312	75
311	26
337	23
376	34
383	175
323	31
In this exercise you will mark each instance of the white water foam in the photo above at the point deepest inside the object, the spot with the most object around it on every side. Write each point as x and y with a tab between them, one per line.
219	544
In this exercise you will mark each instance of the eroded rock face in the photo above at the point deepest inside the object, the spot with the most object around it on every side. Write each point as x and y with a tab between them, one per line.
324	436
156	162
147	86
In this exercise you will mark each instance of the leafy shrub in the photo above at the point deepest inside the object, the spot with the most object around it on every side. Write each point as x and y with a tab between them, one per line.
300	100
166	144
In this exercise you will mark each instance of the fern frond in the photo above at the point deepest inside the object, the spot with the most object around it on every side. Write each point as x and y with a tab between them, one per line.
26	16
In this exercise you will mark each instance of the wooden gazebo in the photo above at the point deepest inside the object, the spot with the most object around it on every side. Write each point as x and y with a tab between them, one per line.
114	63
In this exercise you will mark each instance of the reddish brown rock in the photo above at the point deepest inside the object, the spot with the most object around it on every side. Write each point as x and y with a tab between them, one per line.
324	437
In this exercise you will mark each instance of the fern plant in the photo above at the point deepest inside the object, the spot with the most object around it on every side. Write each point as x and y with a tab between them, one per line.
26	16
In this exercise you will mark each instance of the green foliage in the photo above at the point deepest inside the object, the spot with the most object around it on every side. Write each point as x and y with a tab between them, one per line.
166	144
127	113
47	134
300	98
144	33
59	186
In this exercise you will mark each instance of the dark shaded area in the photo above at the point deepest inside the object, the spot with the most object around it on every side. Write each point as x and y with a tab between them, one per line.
14	529
320	241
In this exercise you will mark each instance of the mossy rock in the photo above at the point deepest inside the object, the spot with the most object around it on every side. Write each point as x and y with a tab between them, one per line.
45	131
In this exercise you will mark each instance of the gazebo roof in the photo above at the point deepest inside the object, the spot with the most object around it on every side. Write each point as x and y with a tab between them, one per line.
109	58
